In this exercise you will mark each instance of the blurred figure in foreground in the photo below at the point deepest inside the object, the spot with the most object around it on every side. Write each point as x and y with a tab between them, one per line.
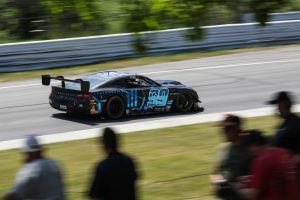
273	173
115	177
287	134
39	178
233	160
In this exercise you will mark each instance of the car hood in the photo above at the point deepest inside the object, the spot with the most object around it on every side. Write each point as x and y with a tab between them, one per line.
169	83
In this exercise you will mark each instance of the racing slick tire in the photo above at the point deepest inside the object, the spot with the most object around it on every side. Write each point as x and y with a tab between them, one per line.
115	108
183	102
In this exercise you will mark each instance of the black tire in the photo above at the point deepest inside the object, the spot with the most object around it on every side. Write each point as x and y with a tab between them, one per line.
183	102
115	108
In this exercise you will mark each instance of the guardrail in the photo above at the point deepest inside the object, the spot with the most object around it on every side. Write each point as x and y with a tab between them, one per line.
87	50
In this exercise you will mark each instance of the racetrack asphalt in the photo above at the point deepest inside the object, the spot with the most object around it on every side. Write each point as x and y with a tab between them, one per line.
225	83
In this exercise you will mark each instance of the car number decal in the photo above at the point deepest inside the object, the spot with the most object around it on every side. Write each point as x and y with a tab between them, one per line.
158	97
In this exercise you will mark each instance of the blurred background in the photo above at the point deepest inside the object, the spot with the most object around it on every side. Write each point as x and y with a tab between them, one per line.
52	19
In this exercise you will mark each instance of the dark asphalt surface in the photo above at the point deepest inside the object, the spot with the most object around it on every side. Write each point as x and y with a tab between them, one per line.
224	83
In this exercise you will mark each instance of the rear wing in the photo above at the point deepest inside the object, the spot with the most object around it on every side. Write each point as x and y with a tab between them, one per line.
85	85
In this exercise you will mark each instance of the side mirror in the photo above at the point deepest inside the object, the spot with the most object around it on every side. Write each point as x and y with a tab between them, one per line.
85	86
46	79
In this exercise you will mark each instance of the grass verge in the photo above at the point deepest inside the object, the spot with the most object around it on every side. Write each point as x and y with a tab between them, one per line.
119	64
174	162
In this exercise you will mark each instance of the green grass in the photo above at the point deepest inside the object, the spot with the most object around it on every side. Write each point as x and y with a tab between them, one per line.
173	162
119	64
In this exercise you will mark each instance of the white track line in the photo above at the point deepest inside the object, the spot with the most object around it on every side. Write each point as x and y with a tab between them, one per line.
18	86
142	126
26	85
186	69
223	66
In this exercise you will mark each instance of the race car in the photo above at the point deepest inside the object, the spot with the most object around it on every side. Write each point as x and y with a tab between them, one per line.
114	94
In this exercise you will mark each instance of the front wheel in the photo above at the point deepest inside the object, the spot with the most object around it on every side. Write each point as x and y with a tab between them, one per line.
115	108
183	102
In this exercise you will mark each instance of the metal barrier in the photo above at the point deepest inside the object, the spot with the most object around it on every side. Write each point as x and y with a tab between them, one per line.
87	50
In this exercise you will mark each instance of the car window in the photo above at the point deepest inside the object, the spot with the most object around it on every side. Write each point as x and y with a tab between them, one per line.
144	83
147	82
140	82
132	83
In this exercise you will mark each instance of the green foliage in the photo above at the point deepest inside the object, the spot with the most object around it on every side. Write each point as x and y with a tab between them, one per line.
40	18
75	15
22	20
262	8
148	15
18	17
294	5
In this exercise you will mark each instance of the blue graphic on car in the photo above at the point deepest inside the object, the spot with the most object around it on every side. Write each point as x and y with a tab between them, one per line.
158	97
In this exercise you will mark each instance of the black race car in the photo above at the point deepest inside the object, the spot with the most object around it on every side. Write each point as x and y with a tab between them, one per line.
115	94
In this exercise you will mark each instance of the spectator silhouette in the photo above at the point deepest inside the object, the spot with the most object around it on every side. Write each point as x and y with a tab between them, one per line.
40	177
273	172
114	177
233	160
287	134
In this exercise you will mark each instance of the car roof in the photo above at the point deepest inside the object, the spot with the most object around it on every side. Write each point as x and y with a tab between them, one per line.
99	78
108	75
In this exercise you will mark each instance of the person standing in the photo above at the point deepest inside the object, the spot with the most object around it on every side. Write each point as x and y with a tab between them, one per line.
287	134
40	178
233	160
273	174
115	176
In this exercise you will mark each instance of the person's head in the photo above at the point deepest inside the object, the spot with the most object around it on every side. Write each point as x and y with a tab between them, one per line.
255	142
109	140
284	102
31	148
231	127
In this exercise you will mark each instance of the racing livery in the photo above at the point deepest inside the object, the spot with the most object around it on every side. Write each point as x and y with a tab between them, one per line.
114	94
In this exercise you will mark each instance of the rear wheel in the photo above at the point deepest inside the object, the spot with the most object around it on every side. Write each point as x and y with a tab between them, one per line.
115	108
183	102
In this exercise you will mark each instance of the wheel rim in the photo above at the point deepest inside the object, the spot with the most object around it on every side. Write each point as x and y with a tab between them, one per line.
183	102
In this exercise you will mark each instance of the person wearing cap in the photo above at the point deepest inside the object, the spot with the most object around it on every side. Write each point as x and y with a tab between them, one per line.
287	134
115	176
39	179
233	160
273	173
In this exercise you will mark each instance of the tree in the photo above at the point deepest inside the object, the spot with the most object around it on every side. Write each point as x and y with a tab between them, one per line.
262	8
145	15
17	17
73	16
21	18
148	15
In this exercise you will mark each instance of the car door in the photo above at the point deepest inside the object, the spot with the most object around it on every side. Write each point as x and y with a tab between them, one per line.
156	95
136	95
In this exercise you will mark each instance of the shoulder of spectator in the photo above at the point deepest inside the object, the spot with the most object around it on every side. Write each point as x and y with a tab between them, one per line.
31	169
223	148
